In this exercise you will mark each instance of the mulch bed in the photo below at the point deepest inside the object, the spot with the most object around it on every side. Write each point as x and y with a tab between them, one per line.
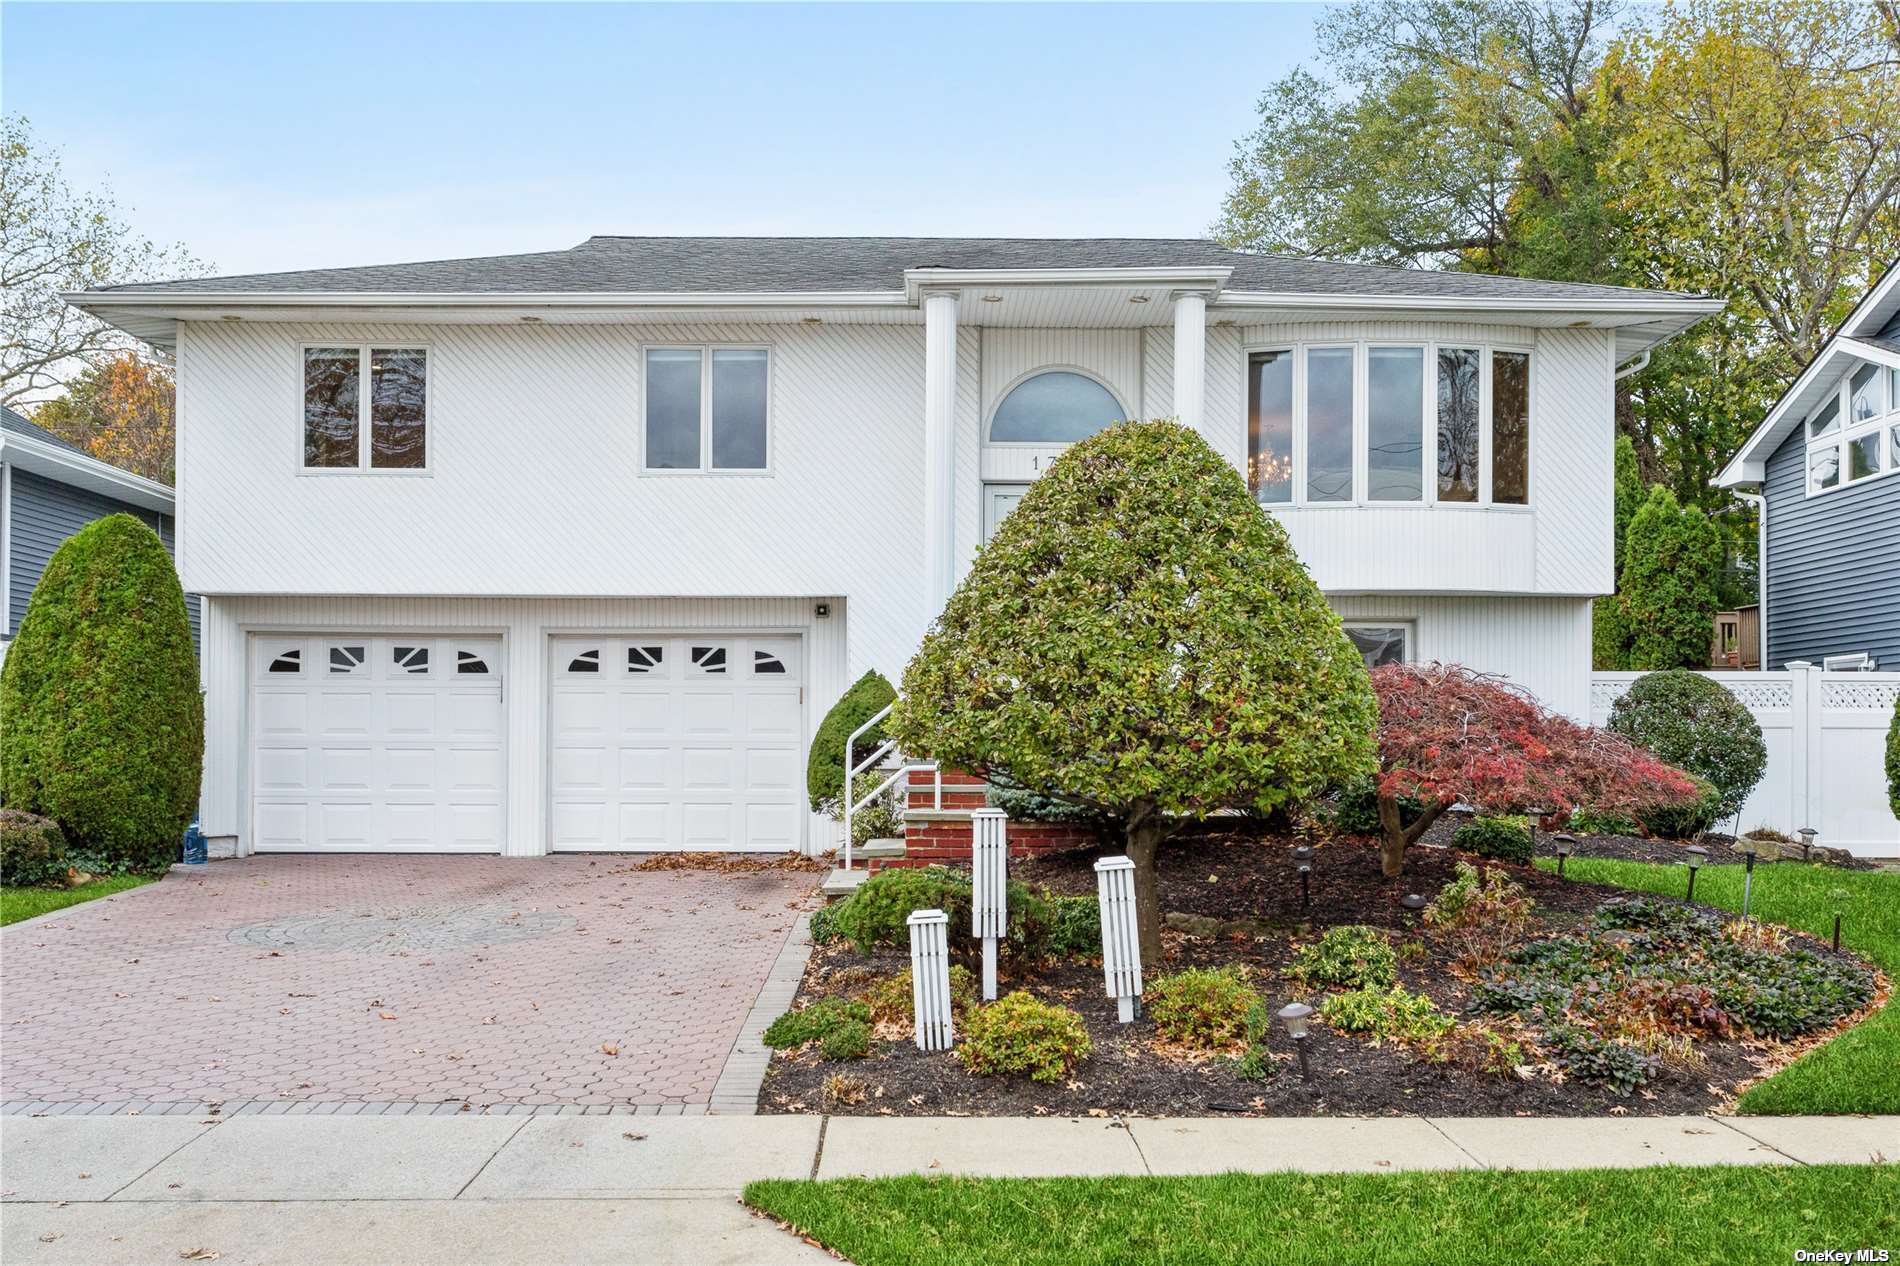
1234	878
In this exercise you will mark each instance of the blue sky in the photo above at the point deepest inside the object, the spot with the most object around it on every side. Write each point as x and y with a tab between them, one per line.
306	135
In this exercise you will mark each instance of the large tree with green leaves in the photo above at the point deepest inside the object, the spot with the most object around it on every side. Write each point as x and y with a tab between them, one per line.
1140	640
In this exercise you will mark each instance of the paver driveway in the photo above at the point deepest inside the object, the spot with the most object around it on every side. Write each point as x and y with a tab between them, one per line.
486	980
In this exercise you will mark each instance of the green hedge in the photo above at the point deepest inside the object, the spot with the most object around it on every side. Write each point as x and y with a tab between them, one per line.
824	767
104	724
32	851
1694	723
1893	761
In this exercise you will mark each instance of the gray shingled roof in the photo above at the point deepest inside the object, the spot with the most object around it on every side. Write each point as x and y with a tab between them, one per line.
803	264
20	424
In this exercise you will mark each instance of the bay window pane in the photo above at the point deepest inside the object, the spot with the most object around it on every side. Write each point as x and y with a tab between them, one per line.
1863	455
1329	424
1510	427
1863	394
738	408
673	408
331	380
1395	423
397	402
1270	427
1824	467
1827	420
1458	383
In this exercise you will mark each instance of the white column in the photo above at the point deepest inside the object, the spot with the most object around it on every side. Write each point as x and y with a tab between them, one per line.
940	462
1190	358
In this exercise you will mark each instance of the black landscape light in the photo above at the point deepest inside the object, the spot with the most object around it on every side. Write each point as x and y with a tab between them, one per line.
1566	845
1747	848
1303	857
1294	1015
1807	834
1462	813
1840	897
1697	855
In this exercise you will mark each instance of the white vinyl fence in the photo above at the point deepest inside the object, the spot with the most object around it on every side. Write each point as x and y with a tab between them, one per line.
1826	735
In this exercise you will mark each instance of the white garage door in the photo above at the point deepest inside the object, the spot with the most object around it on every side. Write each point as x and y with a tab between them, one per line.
376	744
677	743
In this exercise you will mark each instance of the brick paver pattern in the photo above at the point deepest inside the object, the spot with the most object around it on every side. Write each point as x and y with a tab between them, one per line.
485	980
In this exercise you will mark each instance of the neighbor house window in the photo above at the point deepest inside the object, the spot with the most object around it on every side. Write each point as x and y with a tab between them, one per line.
1270	427
1854	434
1381	642
706	408
346	427
1366	423
1057	406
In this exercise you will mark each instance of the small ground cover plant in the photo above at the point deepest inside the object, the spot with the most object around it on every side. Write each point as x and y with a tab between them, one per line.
1644	979
891	1002
1481	915
1351	956
1507	838
1019	1033
841	1029
1203	1008
32	851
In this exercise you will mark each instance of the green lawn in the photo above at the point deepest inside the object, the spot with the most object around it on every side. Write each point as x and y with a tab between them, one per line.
24	903
1738	1214
1856	1071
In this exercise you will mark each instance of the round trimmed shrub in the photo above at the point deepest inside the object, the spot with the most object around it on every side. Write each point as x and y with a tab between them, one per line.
1505	839
824	766
1140	636
1694	723
1019	1034
104	727
32	851
878	913
1685	821
1203	1007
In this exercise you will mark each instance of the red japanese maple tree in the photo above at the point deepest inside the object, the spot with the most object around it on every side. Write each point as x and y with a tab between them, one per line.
1448	734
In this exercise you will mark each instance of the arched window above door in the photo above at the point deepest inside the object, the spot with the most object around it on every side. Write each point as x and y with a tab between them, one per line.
1056	406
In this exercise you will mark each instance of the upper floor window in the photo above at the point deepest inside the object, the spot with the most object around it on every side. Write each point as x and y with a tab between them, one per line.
1057	406
348	428
706	408
1389	424
1855	433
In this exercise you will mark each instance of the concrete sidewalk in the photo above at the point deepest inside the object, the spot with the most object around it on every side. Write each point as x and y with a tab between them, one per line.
474	1189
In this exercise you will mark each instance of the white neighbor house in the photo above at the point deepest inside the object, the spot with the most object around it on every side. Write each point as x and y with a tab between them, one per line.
573	550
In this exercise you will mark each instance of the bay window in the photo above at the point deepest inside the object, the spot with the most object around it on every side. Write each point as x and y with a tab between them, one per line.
1391	424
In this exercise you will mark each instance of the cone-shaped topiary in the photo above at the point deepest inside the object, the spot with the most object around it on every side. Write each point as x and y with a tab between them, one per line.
1140	638
104	727
824	767
1672	559
1893	761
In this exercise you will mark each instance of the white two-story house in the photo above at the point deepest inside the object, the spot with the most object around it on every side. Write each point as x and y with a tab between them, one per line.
572	550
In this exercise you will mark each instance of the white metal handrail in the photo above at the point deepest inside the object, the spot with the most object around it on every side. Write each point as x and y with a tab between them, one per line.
884	751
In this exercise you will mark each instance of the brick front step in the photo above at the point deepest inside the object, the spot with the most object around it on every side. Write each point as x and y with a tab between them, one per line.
940	834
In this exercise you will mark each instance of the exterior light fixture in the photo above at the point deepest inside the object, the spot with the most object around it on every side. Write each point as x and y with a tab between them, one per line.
1566	845
1137	298
1303	863
992	298
531	320
1294	1015
1807	834
1748	849
1696	856
1839	896
1412	901
1462	812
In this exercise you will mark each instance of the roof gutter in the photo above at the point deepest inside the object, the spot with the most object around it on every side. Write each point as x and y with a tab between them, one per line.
156	299
81	470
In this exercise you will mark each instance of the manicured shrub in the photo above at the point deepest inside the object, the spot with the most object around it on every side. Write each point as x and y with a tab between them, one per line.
1355	808
1019	1034
32	851
1075	927
1350	956
1588	821
1204	1007
1684	821
1672	562
1391	1015
878	912
824	924
104	726
1506	839
842	1029
1481	916
824	767
1447	734
1140	638
1694	723
890	999
1610	630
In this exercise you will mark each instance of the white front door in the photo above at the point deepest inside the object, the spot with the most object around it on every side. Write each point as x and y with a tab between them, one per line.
376	744
669	742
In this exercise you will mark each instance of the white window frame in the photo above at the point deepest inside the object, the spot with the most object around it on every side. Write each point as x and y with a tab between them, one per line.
1409	655
1362	423
1009	389
705	466
1881	425
363	348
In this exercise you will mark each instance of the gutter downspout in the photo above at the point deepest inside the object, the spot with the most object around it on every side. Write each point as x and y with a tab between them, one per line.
1636	366
1760	502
